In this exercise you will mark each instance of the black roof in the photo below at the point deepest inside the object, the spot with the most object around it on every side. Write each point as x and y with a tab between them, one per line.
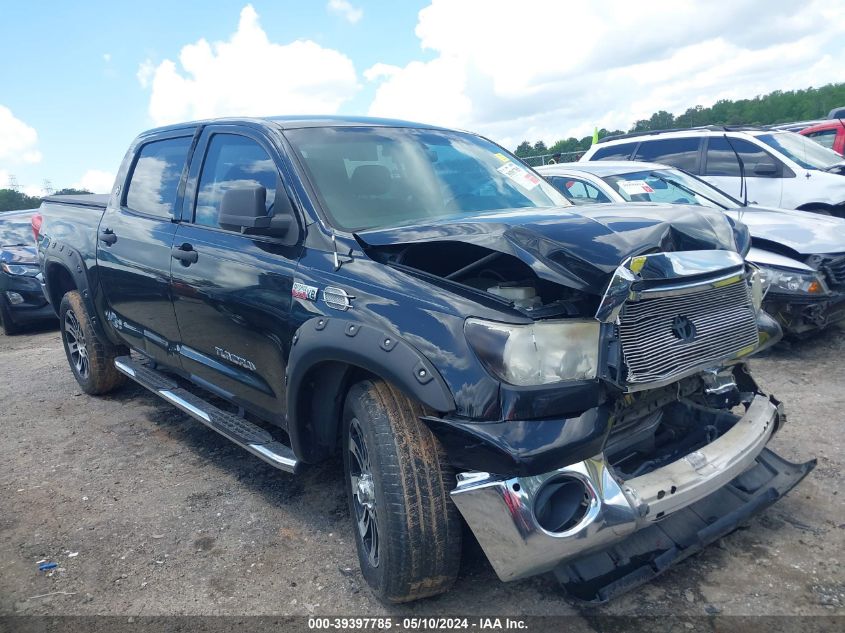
288	122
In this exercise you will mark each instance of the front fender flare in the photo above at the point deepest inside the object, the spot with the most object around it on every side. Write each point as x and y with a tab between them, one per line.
323	339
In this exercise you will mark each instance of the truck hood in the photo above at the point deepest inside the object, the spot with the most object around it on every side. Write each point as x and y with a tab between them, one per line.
18	255
577	247
804	232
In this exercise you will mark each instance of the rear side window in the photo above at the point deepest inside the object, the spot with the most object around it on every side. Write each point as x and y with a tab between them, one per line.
578	190
677	152
155	180
721	159
622	151
231	162
825	138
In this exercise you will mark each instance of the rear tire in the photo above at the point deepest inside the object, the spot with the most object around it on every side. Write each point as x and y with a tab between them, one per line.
407	530
91	359
9	327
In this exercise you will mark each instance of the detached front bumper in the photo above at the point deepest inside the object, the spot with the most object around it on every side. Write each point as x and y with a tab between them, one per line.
502	512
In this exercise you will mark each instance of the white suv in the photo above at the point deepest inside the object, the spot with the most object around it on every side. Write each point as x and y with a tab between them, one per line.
782	169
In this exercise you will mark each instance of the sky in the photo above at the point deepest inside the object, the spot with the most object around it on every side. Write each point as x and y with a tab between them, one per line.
79	81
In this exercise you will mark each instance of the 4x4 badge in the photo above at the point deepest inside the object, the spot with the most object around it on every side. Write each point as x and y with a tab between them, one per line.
301	291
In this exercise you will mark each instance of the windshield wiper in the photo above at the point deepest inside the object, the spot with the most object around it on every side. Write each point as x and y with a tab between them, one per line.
670	181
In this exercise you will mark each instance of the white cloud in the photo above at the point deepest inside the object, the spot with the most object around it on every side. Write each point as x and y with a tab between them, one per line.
18	141
344	9
544	69
107	57
95	181
248	75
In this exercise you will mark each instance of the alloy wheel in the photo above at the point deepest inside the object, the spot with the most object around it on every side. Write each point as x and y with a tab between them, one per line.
363	492
75	340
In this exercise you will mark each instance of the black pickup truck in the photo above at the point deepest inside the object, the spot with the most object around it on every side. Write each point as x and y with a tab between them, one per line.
560	379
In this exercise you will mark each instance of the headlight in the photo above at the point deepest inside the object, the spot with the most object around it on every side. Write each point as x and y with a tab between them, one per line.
30	270
538	353
793	281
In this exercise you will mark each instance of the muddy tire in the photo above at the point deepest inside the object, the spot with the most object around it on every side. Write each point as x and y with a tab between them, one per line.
91	359
407	530
10	328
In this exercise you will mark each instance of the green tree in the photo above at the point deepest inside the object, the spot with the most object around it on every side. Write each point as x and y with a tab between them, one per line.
70	191
778	106
524	149
11	200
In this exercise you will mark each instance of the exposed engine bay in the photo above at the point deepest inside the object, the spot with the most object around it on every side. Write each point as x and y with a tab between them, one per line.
494	273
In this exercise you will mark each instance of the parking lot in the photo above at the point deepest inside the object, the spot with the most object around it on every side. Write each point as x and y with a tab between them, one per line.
147	512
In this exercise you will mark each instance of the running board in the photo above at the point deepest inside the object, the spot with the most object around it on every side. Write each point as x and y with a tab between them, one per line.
240	431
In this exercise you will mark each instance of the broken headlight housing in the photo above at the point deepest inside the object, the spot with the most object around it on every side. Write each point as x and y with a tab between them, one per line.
794	282
538	353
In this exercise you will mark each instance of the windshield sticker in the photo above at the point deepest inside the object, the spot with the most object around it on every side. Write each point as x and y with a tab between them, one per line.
634	187
501	157
520	176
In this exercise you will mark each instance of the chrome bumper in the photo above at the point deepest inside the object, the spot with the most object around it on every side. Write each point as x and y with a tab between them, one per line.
500	511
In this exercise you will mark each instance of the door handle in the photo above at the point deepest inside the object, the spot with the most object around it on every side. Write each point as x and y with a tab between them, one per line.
108	237
185	254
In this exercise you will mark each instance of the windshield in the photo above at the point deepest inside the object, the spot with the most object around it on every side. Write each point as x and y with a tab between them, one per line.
804	151
15	232
669	185
371	177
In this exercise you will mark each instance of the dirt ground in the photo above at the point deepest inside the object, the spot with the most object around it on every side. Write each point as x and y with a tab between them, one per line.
147	512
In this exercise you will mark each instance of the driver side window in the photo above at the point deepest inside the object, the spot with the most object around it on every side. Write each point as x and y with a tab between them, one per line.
232	161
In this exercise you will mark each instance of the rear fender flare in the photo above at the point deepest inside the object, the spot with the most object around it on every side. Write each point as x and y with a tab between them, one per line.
332	341
62	257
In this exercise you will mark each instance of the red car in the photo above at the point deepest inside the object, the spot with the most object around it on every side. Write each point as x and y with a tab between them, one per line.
831	134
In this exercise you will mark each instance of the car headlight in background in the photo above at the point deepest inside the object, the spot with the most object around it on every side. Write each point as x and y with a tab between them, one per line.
759	287
30	270
537	353
793	282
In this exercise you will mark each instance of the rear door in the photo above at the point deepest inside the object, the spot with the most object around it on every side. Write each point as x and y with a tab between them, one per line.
233	302
721	169
133	246
681	152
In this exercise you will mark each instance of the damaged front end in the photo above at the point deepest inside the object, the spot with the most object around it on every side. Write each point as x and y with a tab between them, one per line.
667	483
807	300
682	458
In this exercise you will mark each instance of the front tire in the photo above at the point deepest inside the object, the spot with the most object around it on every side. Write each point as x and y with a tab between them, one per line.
91	359
407	530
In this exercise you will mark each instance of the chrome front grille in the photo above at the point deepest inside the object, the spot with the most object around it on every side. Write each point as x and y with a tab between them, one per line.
834	269
666	337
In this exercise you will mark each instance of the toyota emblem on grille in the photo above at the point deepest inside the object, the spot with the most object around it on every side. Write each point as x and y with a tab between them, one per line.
683	329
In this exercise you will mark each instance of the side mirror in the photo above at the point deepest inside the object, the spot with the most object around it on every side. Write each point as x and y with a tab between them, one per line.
244	208
765	169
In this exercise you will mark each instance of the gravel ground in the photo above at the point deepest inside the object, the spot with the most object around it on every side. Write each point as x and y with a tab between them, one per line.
147	512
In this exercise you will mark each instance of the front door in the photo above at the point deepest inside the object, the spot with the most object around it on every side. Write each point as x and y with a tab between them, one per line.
233	301
134	243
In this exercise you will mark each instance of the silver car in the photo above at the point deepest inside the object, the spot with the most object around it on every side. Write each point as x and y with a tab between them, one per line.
801	254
